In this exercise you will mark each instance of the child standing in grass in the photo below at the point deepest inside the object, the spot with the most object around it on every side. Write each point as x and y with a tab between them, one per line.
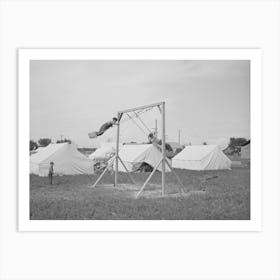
51	172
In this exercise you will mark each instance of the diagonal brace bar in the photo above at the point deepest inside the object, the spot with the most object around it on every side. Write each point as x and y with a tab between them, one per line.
128	173
177	177
148	179
102	174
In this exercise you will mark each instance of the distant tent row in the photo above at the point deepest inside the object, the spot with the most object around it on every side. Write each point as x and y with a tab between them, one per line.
202	157
69	161
134	155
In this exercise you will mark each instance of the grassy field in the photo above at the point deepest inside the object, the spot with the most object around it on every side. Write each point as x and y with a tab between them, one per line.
208	195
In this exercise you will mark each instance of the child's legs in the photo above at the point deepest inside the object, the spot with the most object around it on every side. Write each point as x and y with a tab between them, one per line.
50	178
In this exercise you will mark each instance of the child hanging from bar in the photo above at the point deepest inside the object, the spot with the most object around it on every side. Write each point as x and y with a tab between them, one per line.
103	128
158	143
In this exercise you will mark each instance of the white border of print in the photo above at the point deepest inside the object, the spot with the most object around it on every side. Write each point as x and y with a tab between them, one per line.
254	55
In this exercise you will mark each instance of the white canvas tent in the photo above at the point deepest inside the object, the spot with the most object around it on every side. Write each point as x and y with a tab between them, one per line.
134	154
67	160
202	157
104	152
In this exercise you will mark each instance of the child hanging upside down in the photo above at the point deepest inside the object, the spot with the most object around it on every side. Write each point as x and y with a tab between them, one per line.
103	128
154	140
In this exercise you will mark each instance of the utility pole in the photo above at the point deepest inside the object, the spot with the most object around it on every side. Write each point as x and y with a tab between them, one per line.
179	136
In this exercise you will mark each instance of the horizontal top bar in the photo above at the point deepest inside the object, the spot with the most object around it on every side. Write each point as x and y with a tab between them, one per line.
141	107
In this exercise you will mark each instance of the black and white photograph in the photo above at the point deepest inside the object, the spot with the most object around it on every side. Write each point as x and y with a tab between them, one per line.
139	140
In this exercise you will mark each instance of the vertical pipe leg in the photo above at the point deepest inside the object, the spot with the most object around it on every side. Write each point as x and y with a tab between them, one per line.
117	151
163	148
128	173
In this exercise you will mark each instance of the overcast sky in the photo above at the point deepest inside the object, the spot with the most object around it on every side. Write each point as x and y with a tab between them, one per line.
205	99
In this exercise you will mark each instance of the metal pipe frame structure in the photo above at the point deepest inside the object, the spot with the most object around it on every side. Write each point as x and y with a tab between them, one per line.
161	106
141	107
163	161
